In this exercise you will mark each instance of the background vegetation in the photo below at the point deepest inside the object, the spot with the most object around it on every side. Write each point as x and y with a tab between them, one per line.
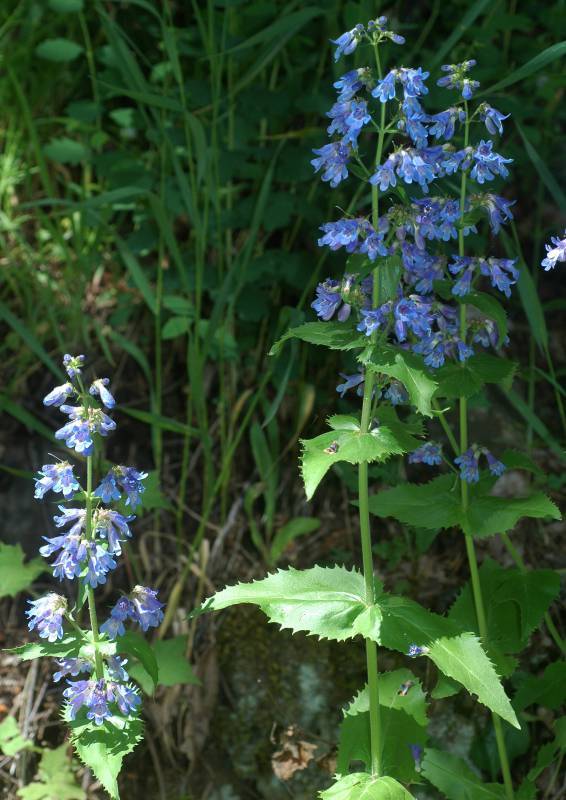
158	212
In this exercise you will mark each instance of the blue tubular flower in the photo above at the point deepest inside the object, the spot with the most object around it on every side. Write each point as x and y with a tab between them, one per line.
492	118
417	753
73	365
98	389
373	319
47	615
377	28
147	610
498	209
440	345
116	670
351	382
58	395
57	478
468	464
412	119
126	697
329	301
385	88
72	553
456	78
97	695
414	167
396	394
495	467
412	314
99	562
429	453
444	123
343	233
555	252
131	481
422	269
107	490
71	666
413	81
112	526
332	160
348	42
83	424
487	163
384	175
486	333
351	83
415	650
501	271
114	625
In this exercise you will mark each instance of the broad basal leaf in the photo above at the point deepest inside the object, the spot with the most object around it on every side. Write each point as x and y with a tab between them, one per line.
15	575
326	601
363	786
11	740
335	335
320	453
407	368
465	380
430	505
491	307
515	603
134	644
172	665
452	776
102	747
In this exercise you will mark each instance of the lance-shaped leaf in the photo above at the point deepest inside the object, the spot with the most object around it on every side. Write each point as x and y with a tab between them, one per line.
548	689
363	786
66	647
353	446
102	748
515	603
452	776
330	603
325	601
429	505
335	335
490	515
409	370
465	380
491	307
458	655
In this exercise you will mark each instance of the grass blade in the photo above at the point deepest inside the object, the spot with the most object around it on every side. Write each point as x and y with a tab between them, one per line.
545	174
467	20
532	66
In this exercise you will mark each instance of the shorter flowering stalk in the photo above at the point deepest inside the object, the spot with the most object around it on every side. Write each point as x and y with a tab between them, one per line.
91	539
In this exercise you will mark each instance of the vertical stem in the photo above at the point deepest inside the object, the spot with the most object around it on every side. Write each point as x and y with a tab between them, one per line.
89	592
470	549
363	493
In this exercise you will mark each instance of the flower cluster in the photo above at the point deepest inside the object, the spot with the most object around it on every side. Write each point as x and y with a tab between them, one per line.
555	252
91	538
417	318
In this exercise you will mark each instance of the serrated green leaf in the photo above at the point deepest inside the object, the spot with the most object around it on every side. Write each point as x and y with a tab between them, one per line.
452	776
335	335
399	732
515	603
465	380
102	748
491	307
548	689
320	453
60	50
430	505
490	515
409	370
400	690
15	575
11	740
363	786
57	780
172	665
68	646
134	644
457	655
324	601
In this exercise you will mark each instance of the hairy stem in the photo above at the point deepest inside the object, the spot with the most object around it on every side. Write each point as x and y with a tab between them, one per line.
470	549
99	668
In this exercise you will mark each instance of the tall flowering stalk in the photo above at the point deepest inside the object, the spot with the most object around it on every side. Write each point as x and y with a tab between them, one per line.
103	702
413	312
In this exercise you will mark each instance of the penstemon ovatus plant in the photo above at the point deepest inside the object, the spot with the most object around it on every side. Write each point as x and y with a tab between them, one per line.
101	705
414	310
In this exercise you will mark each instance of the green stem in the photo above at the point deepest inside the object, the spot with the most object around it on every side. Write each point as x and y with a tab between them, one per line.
470	549
89	592
363	494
